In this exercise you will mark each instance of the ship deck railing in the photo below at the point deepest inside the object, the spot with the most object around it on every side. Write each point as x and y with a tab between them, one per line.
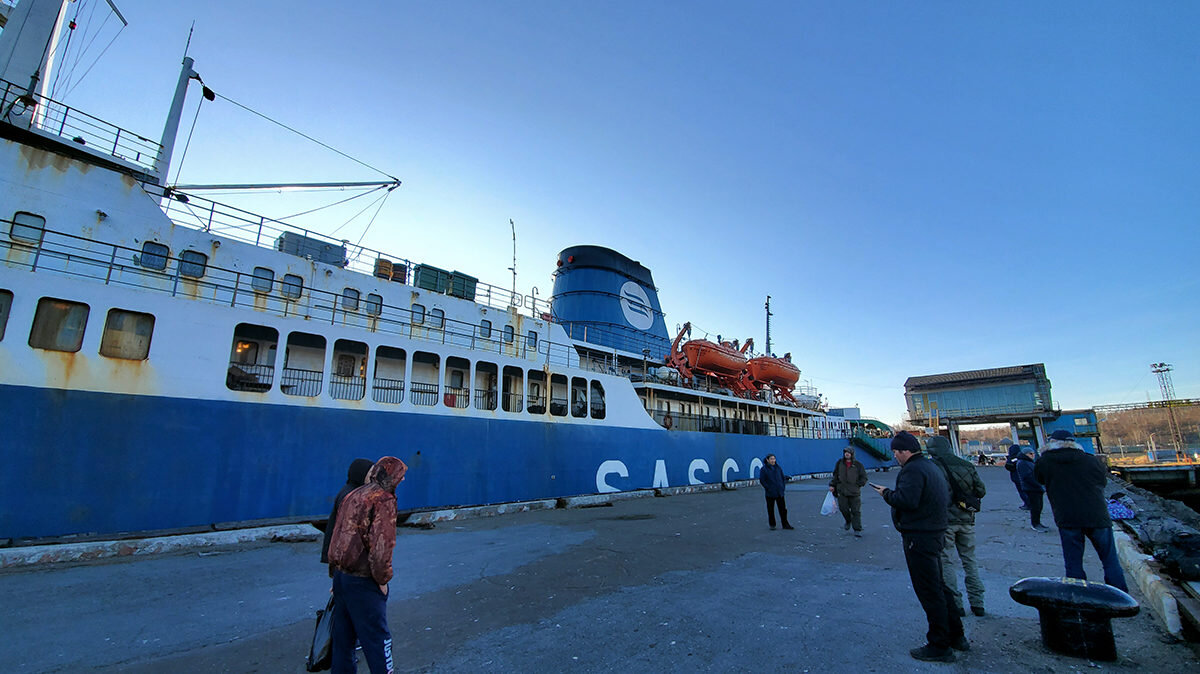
52	117
712	424
61	253
231	222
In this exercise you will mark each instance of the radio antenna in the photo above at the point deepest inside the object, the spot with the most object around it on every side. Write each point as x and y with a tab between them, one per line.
513	268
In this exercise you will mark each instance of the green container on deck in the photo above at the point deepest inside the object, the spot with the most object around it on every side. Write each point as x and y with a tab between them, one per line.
431	278
462	286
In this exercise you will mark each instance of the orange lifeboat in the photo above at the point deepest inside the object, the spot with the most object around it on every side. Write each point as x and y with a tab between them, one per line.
775	372
722	360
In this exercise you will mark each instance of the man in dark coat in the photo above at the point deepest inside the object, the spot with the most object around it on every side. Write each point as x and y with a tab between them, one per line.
960	532
1010	464
1031	488
919	504
774	484
355	477
849	477
360	551
1074	482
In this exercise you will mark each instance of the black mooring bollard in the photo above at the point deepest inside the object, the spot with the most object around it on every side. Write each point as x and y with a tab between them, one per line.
1076	615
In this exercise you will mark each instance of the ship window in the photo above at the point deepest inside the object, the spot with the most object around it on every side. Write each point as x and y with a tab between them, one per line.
303	364
425	371
127	335
291	286
350	299
193	263
508	334
485	329
28	227
262	280
510	394
437	317
418	314
154	255
348	381
247	371
457	394
536	404
374	304
58	325
597	400
578	397
5	309
485	385
531	340
388	386
558	395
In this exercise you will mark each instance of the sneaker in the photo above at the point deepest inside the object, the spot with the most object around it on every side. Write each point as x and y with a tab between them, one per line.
847	527
962	612
772	527
961	644
858	534
1024	507
1040	529
788	526
930	653
978	611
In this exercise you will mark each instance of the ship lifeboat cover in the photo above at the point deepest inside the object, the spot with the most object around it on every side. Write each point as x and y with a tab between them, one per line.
774	371
705	356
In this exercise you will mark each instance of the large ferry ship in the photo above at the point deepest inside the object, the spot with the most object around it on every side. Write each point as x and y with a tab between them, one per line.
170	362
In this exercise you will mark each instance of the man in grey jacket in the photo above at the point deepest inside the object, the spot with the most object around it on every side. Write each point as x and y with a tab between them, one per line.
960	532
849	477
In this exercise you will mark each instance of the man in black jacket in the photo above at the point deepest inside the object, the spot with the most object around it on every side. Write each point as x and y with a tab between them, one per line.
774	483
919	504
1074	482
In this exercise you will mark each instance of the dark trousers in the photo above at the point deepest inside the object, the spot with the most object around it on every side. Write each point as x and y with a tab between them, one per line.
777	502
1034	500
1106	547
851	509
923	553
360	614
1021	493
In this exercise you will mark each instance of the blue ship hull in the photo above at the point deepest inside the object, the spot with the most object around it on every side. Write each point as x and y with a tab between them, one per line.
148	463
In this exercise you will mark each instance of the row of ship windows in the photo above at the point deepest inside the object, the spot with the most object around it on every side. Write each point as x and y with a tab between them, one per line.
252	368
30	228
59	325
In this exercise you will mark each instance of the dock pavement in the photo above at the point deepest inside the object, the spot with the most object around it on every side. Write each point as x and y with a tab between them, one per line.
682	583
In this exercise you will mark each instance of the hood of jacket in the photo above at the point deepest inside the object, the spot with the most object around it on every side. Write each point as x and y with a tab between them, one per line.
939	447
357	474
1061	444
387	473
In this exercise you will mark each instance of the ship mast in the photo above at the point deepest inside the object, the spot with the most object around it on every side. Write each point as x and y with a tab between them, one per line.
768	347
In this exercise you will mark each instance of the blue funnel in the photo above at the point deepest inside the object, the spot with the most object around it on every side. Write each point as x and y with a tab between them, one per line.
604	298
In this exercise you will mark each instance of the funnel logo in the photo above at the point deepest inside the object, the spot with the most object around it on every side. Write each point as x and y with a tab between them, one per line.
636	306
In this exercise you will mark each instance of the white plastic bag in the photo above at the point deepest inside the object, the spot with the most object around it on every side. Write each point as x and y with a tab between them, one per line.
829	507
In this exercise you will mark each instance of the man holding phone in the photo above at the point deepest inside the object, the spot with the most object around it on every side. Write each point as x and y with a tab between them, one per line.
919	504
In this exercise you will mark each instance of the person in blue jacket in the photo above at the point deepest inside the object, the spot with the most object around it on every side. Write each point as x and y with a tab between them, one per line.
1010	464
1031	488
774	483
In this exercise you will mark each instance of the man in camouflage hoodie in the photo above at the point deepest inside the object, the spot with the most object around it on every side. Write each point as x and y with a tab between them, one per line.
960	534
360	552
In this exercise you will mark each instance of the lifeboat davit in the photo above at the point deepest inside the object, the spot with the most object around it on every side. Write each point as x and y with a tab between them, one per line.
775	372
707	357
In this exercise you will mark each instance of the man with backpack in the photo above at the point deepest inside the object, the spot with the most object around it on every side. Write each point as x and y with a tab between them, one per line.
966	492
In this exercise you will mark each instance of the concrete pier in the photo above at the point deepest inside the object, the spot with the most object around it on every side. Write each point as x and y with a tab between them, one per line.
689	582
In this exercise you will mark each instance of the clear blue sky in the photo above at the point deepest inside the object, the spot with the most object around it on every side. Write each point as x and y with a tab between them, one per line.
921	187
